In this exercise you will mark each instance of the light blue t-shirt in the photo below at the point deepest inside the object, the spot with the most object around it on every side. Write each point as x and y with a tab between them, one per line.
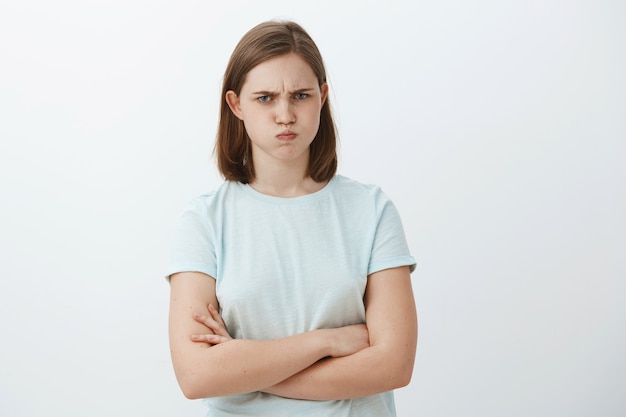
285	266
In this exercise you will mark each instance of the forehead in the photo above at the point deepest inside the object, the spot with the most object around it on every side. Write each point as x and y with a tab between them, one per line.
285	71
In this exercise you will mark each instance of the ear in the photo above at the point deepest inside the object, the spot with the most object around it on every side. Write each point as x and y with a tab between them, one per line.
234	103
324	89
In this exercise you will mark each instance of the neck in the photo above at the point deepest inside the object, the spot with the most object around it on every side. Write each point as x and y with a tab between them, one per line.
284	179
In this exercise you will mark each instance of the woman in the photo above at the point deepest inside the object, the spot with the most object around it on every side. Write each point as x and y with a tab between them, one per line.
290	286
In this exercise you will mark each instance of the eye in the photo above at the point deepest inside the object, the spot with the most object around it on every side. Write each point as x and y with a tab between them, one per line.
301	96
264	99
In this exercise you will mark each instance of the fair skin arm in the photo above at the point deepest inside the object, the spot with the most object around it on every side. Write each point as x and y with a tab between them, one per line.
206	368
384	365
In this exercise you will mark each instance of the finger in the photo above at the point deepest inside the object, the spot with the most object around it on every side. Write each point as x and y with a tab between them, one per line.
207	321
214	326
216	315
213	339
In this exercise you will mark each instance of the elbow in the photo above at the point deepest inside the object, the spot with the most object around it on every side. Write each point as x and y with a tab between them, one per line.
404	366
190	389
394	369
394	378
191	394
193	388
404	377
399	379
401	372
191	378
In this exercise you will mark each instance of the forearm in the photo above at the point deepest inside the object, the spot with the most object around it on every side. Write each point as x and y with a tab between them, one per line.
385	365
241	366
370	371
208	367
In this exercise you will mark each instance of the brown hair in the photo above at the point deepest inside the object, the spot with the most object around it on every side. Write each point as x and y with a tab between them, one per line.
263	42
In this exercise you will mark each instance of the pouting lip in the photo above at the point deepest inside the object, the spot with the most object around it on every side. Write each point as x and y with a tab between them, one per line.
287	135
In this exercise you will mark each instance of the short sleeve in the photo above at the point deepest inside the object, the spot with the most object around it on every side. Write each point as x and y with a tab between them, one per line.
389	249
193	243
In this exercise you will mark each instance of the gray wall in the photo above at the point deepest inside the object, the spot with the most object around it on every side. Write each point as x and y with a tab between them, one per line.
498	128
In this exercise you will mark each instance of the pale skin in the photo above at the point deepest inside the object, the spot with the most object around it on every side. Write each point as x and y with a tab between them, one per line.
280	103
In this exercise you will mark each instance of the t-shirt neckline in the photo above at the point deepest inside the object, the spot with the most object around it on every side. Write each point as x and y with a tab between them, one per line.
288	200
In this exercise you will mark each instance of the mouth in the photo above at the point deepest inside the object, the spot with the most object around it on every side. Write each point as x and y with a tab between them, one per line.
287	135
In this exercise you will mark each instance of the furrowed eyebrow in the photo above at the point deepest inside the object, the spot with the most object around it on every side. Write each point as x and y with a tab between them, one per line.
272	93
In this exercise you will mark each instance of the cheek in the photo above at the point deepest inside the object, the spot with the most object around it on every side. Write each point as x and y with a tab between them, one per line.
250	118
311	113
315	119
254	114
256	124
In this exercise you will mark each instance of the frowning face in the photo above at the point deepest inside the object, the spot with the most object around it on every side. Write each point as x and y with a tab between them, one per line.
280	104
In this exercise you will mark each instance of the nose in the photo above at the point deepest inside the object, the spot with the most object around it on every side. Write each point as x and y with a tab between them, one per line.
284	113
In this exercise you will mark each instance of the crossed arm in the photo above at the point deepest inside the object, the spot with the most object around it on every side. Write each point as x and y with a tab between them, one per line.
325	364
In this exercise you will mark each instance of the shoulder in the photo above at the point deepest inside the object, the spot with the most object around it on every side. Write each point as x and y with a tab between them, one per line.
359	191
206	209
351	184
208	200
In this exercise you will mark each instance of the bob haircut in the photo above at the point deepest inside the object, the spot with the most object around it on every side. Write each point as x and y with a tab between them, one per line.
263	42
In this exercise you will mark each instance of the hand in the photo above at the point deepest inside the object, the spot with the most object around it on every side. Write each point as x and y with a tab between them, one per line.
349	339
213	321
